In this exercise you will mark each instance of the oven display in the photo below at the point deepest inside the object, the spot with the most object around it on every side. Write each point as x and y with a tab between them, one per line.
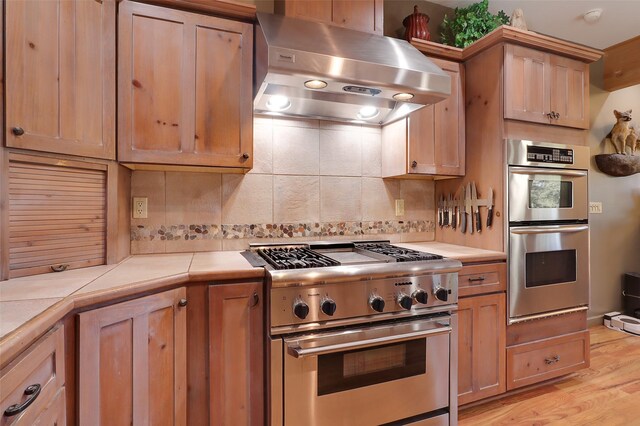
550	267
544	154
550	194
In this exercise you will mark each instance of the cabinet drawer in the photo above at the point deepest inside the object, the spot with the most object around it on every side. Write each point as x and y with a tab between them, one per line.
479	279
56	413
43	365
541	360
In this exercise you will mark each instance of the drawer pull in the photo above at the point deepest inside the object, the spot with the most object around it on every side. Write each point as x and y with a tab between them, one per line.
552	360
478	279
32	391
255	299
59	268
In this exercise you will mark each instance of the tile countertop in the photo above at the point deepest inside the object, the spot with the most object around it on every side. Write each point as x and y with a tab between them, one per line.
31	305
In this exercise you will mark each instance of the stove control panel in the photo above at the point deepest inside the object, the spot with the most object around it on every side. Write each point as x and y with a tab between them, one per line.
295	305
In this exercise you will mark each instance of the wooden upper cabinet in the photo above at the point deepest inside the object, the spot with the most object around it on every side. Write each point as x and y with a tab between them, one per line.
431	140
545	88
60	76
133	362
481	347
185	88
361	15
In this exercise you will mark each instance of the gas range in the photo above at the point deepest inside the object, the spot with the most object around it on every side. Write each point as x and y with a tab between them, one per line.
319	285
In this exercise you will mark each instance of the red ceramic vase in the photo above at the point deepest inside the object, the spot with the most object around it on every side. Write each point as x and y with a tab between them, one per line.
416	26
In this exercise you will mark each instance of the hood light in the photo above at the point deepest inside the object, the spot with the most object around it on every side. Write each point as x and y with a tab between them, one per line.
315	84
367	112
403	96
278	103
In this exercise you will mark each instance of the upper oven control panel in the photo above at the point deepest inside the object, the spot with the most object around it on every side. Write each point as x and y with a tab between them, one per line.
546	154
527	153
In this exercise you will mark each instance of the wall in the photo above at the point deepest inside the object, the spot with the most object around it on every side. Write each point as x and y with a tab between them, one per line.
615	234
311	180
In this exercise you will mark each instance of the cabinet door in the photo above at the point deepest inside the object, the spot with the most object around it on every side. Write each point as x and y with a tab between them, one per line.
132	362
569	91
449	125
526	79
236	358
311	10
60	79
363	15
481	347
185	88
55	414
421	141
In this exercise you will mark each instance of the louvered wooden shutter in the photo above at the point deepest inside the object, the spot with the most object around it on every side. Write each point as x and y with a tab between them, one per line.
57	214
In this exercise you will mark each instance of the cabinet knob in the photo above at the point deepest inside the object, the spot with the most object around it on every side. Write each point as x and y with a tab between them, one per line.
182	303
18	131
414	164
255	299
245	156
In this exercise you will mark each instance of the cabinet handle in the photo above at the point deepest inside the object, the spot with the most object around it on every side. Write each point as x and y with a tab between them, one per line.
182	303
552	360
255	299
18	131
556	115
414	164
32	391
482	278
59	268
550	115
245	155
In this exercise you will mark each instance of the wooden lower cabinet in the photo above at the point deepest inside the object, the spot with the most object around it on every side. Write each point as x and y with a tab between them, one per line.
481	347
41	367
132	362
236	339
545	359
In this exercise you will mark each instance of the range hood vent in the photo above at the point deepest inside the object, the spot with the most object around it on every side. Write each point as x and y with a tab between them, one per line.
310	69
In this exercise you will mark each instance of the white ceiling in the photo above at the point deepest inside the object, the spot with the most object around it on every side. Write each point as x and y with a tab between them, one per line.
563	19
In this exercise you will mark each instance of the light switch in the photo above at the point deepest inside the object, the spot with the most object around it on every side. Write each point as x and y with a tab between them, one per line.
595	207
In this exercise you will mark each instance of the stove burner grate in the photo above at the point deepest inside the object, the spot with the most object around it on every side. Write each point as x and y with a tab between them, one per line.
398	253
295	258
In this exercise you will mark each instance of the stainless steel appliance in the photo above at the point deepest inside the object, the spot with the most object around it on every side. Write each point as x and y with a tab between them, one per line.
311	69
361	334
548	231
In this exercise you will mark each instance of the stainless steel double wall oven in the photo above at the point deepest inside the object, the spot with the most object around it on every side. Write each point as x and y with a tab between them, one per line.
548	229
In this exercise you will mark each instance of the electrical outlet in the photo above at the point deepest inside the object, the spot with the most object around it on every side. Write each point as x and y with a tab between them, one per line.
595	207
400	207
139	207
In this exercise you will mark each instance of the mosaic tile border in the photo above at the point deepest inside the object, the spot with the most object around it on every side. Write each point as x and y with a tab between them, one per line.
277	230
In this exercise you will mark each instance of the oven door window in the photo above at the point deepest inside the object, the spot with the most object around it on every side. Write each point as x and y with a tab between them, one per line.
364	367
550	267
550	194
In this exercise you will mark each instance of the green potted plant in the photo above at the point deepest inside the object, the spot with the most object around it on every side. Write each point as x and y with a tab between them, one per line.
470	24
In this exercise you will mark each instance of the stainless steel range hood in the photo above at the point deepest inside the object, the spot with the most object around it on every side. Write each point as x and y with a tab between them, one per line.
360	70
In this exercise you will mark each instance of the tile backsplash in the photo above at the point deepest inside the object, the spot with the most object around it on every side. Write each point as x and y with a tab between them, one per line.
311	180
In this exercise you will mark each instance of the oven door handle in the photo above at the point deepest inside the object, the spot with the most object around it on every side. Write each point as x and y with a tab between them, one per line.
553	229
557	172
294	348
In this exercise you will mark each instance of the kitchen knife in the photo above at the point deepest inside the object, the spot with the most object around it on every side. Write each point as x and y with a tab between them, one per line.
458	205
474	198
490	211
463	215
440	212
468	208
445	212
454	222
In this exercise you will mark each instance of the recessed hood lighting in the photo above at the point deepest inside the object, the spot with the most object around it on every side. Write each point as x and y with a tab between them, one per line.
367	112
315	84
403	96
278	103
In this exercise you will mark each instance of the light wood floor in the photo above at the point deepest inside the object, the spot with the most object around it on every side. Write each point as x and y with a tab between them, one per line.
606	394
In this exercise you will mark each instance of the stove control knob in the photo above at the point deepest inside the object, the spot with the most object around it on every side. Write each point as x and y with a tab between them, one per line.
405	301
328	306
442	294
300	309
421	296
377	303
